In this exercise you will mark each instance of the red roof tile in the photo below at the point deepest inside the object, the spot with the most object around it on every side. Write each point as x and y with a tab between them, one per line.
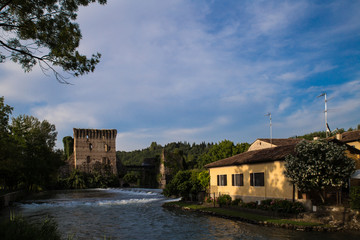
256	156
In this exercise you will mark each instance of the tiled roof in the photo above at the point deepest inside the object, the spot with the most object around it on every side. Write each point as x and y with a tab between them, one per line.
256	156
281	141
350	136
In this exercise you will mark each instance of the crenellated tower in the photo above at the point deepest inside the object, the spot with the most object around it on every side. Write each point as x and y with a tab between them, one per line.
95	148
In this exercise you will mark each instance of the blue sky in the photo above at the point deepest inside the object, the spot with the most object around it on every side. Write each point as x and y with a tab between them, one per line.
199	71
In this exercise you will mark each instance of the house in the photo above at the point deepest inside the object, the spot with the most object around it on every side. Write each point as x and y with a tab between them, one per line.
262	143
259	173
253	175
352	141
351	138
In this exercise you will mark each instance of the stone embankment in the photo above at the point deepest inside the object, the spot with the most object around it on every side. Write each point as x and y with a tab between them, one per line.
335	216
325	219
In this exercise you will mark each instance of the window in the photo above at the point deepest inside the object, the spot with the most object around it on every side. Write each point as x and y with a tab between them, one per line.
222	180
88	160
257	179
107	148
238	179
90	146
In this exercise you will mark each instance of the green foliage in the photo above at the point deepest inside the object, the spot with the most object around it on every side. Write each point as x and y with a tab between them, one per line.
355	197
237	202
20	228
35	145
204	179
251	205
68	142
27	156
224	200
182	155
283	206
131	177
44	32
223	149
82	180
276	205
317	165
183	184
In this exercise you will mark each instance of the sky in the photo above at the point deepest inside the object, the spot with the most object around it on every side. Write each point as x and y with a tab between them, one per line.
203	71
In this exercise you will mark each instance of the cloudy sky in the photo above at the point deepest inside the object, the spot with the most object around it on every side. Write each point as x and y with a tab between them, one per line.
181	70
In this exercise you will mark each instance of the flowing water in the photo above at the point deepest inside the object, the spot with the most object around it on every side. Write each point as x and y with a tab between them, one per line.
137	214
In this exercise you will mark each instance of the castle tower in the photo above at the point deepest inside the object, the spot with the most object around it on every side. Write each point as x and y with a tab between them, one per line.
95	149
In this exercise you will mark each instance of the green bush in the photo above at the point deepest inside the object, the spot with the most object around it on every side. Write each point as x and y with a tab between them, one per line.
276	205
236	202
19	228
355	197
209	199
265	204
224	200
251	205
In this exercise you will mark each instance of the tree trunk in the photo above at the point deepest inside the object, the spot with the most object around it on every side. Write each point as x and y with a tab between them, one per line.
322	196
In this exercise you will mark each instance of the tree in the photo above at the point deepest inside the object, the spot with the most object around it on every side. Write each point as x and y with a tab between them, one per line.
317	165
183	184
9	168
35	141
68	142
223	149
44	32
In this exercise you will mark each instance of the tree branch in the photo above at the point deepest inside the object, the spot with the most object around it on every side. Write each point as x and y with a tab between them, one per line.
60	78
5	4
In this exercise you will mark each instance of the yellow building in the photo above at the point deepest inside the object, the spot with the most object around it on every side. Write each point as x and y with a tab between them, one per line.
262	143
253	175
352	141
351	138
259	173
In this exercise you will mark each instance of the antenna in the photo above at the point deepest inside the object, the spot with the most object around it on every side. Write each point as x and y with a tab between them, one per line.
327	129
269	114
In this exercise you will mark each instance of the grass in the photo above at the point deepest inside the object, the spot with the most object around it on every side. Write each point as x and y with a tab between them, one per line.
238	214
19	228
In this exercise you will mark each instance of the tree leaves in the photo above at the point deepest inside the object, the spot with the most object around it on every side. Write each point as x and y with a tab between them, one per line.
44	32
317	165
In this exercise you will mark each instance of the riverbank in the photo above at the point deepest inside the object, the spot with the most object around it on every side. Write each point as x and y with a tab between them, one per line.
7	198
304	222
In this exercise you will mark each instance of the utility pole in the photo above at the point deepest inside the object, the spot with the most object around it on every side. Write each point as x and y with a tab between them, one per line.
327	129
269	114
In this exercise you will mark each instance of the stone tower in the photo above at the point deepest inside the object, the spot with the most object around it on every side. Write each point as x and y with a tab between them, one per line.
95	148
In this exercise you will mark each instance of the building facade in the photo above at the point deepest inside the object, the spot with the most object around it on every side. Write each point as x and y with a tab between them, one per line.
253	175
94	149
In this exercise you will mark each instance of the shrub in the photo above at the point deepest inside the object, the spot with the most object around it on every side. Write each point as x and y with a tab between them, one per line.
251	205
208	199
236	202
224	200
282	206
19	228
265	204
355	197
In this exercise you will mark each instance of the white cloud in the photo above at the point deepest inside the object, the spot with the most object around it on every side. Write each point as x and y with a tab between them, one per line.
186	71
80	114
285	104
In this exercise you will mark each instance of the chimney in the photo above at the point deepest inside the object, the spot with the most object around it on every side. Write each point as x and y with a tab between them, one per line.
339	136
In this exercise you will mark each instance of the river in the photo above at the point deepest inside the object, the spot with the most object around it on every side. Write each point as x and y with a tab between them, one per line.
137	214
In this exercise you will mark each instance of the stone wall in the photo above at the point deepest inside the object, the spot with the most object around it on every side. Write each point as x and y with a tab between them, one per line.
94	148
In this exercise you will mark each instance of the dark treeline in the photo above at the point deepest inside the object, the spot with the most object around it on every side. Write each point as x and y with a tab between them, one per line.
184	163
28	159
194	156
